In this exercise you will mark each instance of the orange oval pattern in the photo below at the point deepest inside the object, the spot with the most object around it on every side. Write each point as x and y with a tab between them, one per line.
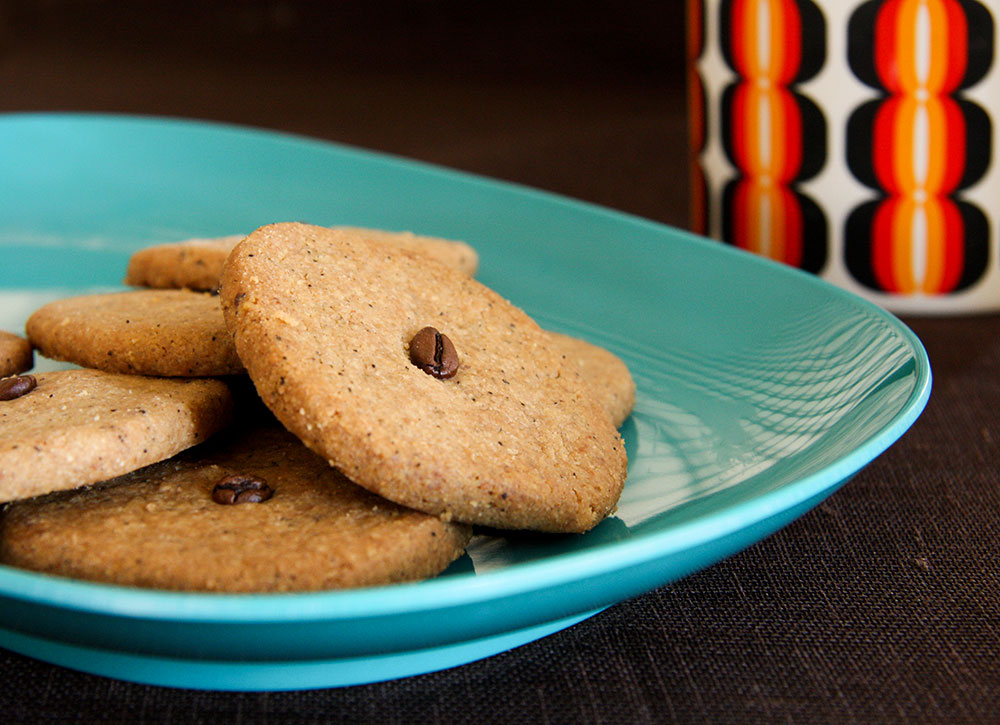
768	128
921	46
766	40
917	245
919	238
919	145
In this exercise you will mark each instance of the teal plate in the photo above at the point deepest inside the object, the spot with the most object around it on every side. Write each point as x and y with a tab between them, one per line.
760	391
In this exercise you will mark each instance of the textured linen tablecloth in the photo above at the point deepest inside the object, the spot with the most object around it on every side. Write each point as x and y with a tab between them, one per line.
880	605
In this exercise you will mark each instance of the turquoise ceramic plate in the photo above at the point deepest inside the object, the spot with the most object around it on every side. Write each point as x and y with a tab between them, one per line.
760	391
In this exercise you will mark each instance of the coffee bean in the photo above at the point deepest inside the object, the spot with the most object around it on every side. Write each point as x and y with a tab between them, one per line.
434	353
241	488
16	386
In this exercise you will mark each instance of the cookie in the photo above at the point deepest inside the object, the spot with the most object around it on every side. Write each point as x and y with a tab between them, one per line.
607	374
16	354
323	321
141	332
76	427
449	252
197	263
168	526
192	264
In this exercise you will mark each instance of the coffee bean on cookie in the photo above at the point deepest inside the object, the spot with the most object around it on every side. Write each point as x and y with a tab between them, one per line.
434	353
241	488
16	386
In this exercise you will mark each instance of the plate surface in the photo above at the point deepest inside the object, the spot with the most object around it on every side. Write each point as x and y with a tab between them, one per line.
760	390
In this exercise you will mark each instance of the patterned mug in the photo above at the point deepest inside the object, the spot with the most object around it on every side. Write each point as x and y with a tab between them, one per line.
853	140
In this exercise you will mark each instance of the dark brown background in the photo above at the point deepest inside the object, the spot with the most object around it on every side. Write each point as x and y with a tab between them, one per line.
496	88
881	605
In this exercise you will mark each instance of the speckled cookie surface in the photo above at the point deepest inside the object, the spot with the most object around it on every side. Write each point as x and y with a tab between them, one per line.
449	252
197	263
16	354
323	321
142	332
604	371
192	264
160	526
81	426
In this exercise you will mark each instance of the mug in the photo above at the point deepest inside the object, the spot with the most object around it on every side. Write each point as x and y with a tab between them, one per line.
854	140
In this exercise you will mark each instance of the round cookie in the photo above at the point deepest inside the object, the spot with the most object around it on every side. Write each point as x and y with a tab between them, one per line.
142	332
80	426
323	321
16	354
161	527
197	263
449	252
609	377
192	264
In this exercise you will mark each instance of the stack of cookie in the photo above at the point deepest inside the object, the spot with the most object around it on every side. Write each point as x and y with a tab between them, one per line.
396	403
